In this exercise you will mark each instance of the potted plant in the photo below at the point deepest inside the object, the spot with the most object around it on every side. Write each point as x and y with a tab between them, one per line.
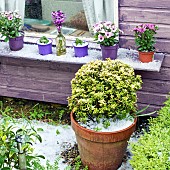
44	45
10	28
80	48
145	40
106	34
58	18
103	92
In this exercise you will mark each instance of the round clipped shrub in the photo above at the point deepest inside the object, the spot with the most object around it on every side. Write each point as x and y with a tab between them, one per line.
104	89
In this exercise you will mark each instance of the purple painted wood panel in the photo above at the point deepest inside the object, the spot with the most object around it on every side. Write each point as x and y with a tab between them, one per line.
36	84
145	3
34	95
151	98
156	86
166	61
36	80
134	12
136	15
28	80
163	75
162	45
127	28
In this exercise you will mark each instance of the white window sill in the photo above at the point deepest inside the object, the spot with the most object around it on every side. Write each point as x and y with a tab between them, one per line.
30	51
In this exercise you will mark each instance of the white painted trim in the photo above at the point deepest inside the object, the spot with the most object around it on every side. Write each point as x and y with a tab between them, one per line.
2	5
116	13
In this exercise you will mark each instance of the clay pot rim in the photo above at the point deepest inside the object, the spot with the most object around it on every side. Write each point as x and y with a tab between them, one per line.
95	132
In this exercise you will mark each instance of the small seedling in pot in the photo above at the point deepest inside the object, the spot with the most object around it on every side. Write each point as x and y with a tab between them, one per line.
44	45
97	129
106	124
44	40
79	42
80	48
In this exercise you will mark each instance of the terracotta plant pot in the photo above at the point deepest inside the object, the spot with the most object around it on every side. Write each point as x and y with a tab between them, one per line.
16	44
109	52
45	49
146	57
80	50
101	150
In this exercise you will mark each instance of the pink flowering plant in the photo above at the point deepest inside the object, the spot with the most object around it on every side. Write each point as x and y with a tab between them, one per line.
58	18
106	33
10	24
144	37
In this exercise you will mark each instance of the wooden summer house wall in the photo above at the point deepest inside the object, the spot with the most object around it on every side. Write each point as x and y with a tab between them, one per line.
50	81
36	79
156	85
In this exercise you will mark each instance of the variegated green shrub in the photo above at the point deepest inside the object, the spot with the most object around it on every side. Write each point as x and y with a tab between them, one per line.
104	88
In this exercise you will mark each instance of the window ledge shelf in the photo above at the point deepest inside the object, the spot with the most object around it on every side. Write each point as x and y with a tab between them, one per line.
30	51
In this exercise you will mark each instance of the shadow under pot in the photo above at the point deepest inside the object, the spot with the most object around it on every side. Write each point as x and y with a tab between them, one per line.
81	50
45	49
17	43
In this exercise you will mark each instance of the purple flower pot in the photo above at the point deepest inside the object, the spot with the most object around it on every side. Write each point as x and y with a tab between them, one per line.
81	50
45	49
17	43
109	52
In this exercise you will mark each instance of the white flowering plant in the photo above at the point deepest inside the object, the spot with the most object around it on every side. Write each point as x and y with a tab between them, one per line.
10	24
106	33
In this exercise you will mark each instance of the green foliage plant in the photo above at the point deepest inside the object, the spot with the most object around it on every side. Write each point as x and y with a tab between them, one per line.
79	42
5	110
104	89
18	108
44	40
36	165
152	151
10	24
144	37
36	112
8	144
78	164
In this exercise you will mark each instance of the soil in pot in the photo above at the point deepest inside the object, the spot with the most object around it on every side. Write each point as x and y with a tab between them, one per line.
102	150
